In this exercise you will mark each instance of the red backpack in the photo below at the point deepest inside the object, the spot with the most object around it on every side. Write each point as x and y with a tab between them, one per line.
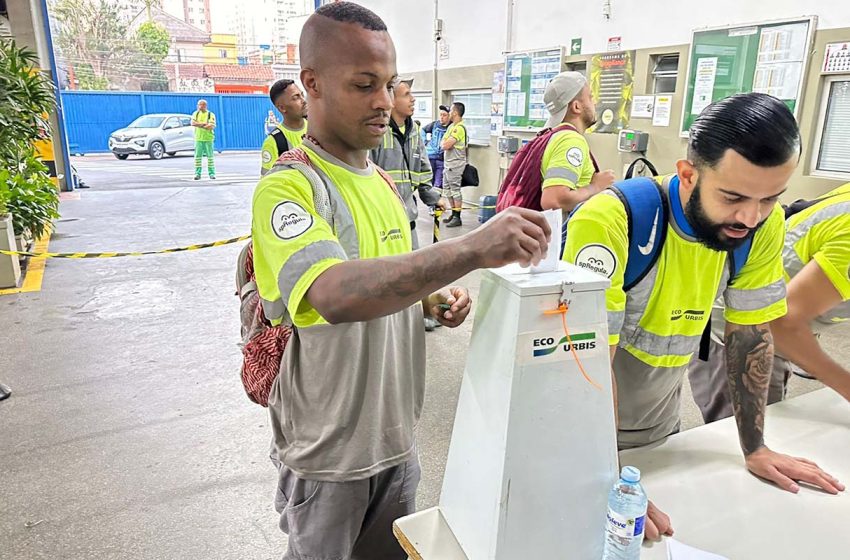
523	185
263	344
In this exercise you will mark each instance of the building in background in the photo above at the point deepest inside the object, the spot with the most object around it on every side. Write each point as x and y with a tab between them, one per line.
221	49
187	41
193	12
287	10
240	78
255	24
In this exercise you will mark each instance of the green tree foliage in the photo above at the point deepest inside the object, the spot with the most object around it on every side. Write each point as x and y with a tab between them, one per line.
153	41
104	52
92	36
26	97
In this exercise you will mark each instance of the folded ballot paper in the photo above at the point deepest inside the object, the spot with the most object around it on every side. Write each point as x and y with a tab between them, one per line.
550	263
679	551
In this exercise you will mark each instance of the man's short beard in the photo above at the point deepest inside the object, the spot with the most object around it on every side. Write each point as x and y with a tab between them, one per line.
710	233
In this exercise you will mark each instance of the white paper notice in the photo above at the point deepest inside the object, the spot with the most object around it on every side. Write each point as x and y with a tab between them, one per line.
661	114
550	263
679	551
515	69
516	104
642	106
704	84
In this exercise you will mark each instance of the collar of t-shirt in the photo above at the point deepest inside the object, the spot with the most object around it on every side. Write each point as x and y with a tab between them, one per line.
401	132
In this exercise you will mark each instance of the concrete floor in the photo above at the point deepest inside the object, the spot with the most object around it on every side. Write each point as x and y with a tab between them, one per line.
128	434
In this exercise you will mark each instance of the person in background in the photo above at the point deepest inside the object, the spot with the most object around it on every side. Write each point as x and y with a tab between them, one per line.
432	135
271	122
570	173
344	409
455	145
816	258
288	98
204	123
402	155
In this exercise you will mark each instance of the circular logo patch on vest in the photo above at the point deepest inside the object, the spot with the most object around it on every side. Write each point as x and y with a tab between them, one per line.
289	220
597	258
267	157
575	157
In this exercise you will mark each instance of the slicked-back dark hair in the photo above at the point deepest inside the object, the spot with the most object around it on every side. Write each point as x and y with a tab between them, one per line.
278	88
349	12
757	126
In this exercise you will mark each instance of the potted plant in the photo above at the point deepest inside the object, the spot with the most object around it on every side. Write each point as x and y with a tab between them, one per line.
10	268
31	198
28	199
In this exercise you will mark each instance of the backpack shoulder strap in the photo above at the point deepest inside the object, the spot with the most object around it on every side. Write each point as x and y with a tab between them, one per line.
280	140
297	159
738	258
646	208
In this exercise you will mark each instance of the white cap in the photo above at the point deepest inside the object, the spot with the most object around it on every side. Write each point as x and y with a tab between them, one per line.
630	474
560	91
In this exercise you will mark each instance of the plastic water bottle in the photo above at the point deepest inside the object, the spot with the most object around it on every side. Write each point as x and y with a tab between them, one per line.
624	526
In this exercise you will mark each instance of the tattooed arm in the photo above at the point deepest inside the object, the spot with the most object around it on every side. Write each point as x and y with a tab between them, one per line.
749	359
361	290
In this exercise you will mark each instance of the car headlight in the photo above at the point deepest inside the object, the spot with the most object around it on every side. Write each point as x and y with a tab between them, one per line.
140	142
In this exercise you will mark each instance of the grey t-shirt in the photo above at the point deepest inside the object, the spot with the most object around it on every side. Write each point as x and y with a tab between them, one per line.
456	157
349	396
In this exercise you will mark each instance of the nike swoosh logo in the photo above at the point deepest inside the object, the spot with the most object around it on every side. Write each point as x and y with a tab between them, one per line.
645	250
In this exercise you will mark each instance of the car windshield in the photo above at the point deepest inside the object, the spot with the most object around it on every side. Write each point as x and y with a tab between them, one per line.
147	122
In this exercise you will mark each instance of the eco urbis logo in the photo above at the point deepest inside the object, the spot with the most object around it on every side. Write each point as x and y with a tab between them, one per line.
393	234
547	346
687	314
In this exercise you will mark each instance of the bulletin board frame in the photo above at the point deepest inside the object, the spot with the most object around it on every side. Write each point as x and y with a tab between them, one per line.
737	53
529	121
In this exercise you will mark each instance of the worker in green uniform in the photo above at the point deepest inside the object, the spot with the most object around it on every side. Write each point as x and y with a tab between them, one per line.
816	258
287	98
741	153
204	122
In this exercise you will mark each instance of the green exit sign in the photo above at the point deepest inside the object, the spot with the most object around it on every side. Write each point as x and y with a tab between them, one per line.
575	46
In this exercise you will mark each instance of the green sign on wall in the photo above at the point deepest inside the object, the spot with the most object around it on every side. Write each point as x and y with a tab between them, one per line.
575	47
526	76
768	58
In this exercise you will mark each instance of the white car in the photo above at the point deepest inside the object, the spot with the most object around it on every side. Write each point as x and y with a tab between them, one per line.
154	135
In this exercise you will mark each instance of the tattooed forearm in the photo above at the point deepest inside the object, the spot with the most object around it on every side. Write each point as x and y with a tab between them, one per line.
749	359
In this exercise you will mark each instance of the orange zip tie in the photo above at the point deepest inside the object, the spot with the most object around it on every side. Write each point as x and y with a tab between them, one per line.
562	311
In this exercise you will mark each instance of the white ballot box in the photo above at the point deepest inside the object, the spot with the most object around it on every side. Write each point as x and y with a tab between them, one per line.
533	453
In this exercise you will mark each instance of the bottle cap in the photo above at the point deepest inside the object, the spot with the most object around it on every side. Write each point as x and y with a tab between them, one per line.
630	474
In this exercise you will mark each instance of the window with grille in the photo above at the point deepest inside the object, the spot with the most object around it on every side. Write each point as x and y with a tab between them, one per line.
834	148
664	73
477	115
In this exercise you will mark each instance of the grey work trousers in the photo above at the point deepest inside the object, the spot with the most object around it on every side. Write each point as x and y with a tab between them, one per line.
346	520
711	389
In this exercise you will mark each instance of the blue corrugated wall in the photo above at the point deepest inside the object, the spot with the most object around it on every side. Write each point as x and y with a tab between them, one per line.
90	116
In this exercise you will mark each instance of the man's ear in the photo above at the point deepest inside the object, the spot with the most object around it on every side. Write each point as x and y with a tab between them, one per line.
310	81
688	175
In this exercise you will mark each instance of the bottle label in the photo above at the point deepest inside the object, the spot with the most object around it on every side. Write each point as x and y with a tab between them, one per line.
625	526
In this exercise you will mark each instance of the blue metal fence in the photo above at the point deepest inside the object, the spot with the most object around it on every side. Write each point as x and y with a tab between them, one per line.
90	116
